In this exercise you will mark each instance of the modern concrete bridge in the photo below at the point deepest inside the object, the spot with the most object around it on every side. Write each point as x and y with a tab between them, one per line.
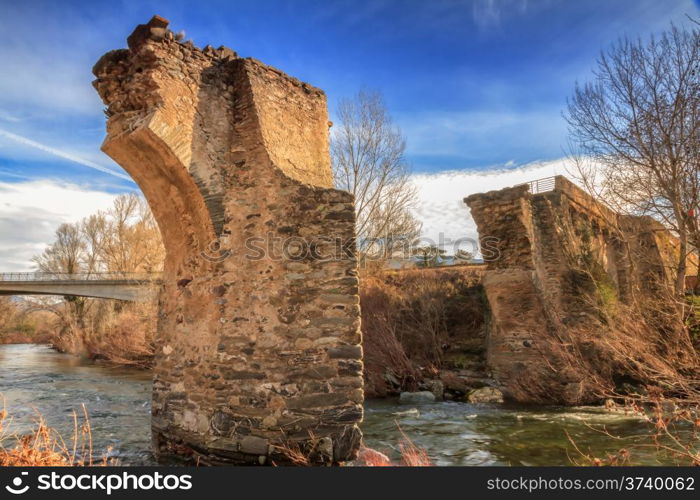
133	287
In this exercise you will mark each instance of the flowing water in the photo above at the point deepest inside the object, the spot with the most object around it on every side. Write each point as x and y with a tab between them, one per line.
35	379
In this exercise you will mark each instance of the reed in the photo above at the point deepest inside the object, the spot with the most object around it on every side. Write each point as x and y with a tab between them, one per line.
45	447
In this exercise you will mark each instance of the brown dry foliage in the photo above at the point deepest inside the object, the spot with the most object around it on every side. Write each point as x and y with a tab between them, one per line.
304	454
125	336
117	332
7	312
411	455
605	334
382	349
410	319
123	239
45	447
644	343
18	327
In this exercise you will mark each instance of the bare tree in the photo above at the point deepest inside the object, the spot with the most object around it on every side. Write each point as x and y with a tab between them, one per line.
132	241
368	160
123	239
66	254
638	126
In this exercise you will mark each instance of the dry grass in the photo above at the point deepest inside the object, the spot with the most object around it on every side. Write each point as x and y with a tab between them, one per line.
384	353
646	343
410	319
120	333
411	456
643	343
306	454
45	447
124	336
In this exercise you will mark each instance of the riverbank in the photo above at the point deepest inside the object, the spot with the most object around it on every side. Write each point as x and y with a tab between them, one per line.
424	329
36	378
24	338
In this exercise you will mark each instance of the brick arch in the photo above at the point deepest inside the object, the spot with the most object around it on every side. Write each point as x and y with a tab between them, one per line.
255	347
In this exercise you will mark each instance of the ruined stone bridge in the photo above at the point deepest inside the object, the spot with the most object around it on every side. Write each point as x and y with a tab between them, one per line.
132	287
556	257
254	355
258	355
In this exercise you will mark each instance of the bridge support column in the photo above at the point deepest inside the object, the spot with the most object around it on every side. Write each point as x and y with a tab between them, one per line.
259	345
559	262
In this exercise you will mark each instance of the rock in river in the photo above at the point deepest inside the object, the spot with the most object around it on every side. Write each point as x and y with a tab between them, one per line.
485	395
413	398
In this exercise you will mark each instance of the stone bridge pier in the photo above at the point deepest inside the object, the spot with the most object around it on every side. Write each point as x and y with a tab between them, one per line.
556	258
258	343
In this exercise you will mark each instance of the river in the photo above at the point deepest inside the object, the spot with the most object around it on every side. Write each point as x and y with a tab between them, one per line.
35	378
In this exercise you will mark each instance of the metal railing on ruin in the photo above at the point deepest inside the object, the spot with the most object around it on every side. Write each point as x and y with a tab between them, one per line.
542	185
111	276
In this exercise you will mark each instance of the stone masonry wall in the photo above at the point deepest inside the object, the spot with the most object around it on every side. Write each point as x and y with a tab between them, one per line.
552	248
259	344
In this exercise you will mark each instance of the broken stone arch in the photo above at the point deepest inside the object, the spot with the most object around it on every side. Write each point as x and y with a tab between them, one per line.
253	355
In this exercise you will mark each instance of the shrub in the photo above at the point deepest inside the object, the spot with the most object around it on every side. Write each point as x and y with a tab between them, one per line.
412	319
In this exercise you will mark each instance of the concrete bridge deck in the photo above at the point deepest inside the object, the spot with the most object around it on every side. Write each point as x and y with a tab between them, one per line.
133	287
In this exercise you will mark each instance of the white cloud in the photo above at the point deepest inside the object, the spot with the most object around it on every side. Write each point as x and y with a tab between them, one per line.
30	213
440	203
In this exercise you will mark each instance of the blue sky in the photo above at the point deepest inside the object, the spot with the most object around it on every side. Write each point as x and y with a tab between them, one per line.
474	84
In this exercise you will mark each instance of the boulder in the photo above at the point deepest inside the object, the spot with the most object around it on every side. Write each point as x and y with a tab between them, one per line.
437	388
485	395
461	384
412	398
372	458
454	383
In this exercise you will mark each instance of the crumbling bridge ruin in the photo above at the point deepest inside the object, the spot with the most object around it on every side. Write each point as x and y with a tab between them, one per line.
551	246
258	343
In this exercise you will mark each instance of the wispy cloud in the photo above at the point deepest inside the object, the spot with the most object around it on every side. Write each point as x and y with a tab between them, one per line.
62	154
8	117
30	213
488	14
440	205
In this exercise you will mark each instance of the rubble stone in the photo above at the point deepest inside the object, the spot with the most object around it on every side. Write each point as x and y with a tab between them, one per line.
230	154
